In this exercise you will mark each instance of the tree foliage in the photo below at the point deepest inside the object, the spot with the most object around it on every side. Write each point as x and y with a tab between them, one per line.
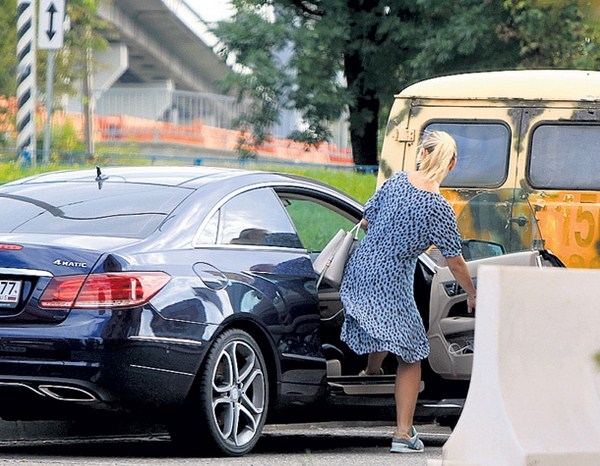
8	47
556	33
325	57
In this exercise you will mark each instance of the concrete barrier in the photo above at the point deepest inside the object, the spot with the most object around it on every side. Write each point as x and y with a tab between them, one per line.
534	397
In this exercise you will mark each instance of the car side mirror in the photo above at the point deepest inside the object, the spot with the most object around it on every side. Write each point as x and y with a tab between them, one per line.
473	249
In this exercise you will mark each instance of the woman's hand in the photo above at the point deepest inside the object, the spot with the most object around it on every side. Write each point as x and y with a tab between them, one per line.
471	303
459	269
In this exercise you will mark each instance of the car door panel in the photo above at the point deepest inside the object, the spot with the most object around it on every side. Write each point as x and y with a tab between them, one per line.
451	329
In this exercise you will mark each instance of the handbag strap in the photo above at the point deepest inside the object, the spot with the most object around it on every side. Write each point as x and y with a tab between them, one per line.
355	229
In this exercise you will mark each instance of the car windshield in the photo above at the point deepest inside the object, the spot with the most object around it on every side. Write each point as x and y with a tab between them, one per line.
497	222
79	208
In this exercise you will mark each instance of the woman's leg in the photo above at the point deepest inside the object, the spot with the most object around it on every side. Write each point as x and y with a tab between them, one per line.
374	362
406	392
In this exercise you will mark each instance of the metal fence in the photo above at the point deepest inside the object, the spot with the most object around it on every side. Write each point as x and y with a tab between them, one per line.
184	108
166	122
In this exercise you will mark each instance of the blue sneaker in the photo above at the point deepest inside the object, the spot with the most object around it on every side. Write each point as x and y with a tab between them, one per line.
413	444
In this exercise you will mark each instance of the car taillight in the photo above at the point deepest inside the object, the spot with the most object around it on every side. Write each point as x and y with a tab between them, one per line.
10	247
103	290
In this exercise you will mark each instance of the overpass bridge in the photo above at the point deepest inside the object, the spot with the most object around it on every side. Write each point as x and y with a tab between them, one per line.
158	86
156	41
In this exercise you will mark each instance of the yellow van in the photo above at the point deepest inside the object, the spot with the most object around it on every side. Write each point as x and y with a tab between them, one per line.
528	172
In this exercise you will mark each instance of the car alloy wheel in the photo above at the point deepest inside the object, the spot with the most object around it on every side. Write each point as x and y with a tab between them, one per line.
238	391
228	411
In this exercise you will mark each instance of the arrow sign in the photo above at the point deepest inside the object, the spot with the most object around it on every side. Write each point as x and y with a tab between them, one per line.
51	32
51	24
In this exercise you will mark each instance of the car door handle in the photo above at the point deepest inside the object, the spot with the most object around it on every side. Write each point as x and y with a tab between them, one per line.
521	220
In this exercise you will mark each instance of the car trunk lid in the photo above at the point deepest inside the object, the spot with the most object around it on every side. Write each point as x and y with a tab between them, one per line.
25	271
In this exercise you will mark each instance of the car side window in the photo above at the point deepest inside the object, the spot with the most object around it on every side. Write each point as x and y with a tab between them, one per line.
208	235
256	218
316	223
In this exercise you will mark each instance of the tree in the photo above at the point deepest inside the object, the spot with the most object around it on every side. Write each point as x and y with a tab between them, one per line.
554	34
8	47
378	47
70	60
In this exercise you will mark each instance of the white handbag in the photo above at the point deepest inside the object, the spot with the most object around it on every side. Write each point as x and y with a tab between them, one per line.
330	263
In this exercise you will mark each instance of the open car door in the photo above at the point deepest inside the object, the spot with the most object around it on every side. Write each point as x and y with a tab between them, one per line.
502	230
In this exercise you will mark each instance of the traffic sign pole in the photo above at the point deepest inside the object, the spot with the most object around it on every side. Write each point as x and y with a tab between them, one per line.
50	37
49	106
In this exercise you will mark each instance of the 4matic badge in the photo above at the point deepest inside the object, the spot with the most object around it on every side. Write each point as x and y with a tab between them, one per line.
64	263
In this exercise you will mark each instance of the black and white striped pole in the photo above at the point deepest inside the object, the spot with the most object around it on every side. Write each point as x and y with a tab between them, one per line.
26	85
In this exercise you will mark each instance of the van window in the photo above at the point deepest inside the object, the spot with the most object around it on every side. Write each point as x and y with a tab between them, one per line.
565	156
483	150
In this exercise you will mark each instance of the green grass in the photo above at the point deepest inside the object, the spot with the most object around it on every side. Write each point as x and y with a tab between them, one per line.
361	186
358	185
10	171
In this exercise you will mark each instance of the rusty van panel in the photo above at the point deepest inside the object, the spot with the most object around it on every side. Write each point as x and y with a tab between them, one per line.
570	222
510	209
502	216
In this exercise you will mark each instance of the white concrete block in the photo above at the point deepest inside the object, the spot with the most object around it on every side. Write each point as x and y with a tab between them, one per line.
534	397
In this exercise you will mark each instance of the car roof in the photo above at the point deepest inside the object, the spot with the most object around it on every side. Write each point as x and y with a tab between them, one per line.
569	85
187	177
165	175
184	176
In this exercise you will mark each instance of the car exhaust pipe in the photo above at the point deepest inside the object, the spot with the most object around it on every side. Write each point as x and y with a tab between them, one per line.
66	393
58	392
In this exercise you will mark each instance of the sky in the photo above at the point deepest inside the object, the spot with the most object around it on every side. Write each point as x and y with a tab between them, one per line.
210	10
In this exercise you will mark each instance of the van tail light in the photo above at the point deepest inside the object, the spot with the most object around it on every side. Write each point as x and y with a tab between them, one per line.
103	290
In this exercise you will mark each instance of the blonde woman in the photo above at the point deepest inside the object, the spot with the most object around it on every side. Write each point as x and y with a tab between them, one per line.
403	218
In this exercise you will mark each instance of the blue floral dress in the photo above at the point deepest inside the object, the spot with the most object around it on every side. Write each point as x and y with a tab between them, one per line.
377	287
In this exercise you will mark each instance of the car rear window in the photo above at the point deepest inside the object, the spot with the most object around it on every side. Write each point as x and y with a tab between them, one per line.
111	209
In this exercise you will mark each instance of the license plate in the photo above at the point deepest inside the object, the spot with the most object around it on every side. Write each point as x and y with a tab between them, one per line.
10	292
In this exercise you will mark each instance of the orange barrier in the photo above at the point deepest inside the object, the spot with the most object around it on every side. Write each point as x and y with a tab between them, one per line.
8	114
135	129
110	128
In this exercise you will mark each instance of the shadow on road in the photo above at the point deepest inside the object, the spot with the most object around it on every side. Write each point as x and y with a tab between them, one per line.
277	439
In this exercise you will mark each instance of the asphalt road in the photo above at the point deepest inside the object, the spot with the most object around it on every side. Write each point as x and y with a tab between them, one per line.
326	444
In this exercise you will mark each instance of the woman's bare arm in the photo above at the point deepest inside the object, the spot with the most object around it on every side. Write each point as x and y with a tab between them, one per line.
459	269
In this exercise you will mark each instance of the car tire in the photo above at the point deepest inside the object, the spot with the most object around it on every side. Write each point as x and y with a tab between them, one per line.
228	407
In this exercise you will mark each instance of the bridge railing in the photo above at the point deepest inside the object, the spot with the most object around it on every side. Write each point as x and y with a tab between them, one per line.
175	111
167	118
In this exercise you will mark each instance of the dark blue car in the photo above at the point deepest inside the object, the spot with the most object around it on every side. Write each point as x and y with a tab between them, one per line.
188	295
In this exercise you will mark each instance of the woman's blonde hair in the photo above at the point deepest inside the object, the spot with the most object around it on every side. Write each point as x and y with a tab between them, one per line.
436	152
